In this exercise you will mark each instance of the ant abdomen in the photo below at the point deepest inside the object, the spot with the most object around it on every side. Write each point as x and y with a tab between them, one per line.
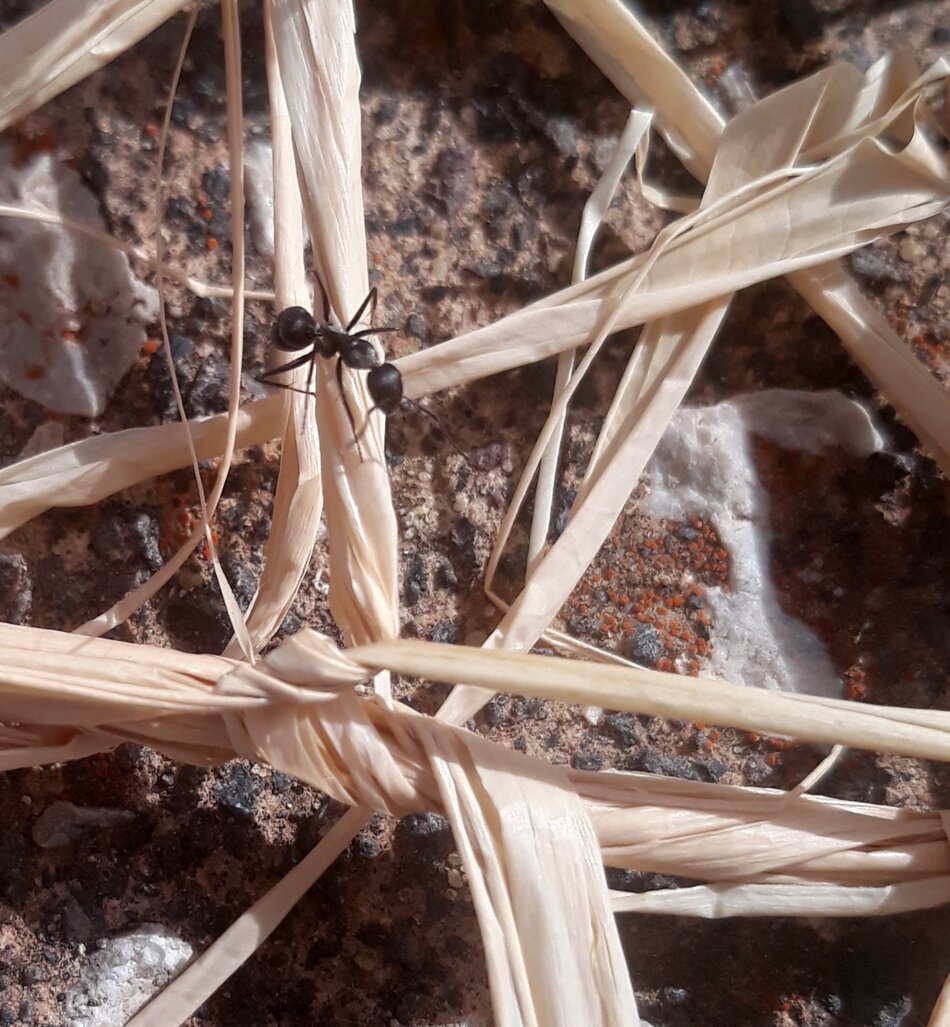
296	329
385	388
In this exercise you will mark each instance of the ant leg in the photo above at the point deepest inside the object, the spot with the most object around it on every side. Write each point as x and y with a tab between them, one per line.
292	388
311	371
289	366
324	299
371	296
346	406
362	431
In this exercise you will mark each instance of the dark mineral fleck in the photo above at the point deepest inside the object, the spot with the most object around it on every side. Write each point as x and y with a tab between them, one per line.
416	581
446	632
668	766
445	576
16	589
237	788
424	824
645	645
586	761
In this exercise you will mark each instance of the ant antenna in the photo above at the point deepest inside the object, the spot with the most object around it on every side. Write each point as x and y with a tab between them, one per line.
438	420
467	457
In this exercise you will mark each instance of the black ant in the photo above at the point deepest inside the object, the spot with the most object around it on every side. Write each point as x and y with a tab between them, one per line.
296	329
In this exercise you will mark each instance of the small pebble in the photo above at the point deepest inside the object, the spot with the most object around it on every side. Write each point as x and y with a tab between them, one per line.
911	250
593	714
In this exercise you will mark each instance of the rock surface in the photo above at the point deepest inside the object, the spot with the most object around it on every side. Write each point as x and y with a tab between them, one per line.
485	128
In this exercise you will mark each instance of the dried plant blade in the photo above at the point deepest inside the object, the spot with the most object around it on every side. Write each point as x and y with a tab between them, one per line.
298	499
40	747
907	384
658	406
238	943
640	821
235	122
740	841
715	901
316	52
126	606
658	374
540	894
825	213
924	733
622	46
88	471
642	70
677	343
343	749
551	581
64	42
592	216
763	139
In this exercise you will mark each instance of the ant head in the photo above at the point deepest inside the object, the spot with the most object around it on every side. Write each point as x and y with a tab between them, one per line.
295	329
385	388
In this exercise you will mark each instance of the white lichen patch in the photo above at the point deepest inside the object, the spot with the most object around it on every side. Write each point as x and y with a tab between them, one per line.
259	183
703	467
73	316
124	974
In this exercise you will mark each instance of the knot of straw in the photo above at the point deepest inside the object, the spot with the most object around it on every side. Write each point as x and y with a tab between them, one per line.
363	751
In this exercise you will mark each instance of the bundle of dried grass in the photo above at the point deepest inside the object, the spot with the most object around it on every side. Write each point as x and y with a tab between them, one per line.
835	161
